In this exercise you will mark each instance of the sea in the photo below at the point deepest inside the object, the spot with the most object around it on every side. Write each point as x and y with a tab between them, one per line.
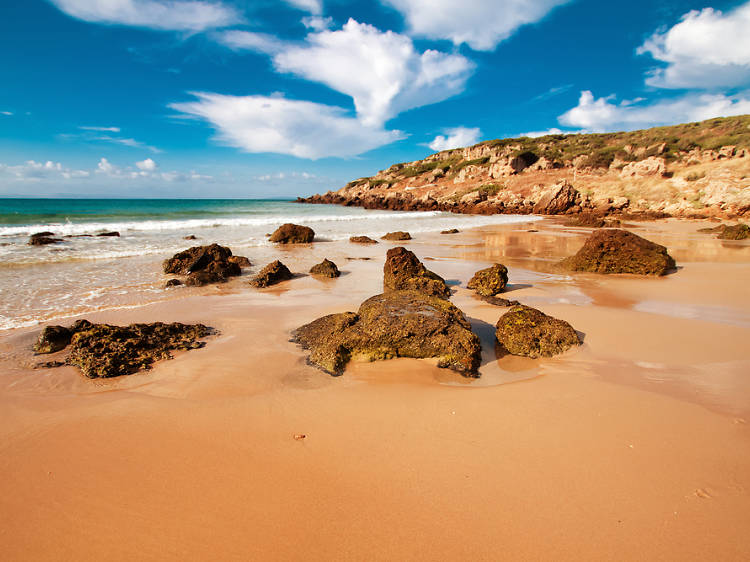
86	272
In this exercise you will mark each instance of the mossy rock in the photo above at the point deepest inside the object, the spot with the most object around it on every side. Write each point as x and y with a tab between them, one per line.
490	281
529	332
734	232
292	234
404	271
397	236
273	273
326	268
362	240
620	251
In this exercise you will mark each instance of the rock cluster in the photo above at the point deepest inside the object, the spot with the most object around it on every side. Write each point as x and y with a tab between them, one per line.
205	264
529	332
103	350
620	251
490	281
292	234
273	273
404	271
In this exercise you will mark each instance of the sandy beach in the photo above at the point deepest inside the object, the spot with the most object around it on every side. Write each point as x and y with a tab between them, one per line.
635	446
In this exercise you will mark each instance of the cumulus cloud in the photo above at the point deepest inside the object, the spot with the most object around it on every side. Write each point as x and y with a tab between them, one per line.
382	71
276	124
312	6
147	165
455	138
706	49
552	131
481	24
174	15
605	114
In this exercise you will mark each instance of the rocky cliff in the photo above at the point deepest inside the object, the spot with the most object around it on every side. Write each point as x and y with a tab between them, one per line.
691	170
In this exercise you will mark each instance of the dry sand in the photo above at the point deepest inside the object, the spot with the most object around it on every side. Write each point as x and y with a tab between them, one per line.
635	446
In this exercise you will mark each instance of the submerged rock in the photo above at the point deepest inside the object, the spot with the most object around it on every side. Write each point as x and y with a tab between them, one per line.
104	351
450	231
204	264
110	234
273	273
490	281
292	234
362	240
396	236
529	332
326	268
620	251
403	271
43	238
394	324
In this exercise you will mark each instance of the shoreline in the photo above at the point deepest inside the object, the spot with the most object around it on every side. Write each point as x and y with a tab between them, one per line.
634	445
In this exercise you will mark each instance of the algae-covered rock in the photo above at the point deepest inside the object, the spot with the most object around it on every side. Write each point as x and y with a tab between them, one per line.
403	271
620	251
273	273
292	234
398	235
592	220
450	231
490	281
529	332
104	351
362	240
326	268
735	232
52	339
204	264
393	324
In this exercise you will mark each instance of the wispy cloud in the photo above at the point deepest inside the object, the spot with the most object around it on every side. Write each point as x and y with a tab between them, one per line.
551	93
132	143
6	113
101	129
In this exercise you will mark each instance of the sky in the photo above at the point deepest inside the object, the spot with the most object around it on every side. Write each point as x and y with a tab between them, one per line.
274	99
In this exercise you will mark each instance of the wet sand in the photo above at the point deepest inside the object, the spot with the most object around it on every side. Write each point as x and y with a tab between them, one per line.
635	446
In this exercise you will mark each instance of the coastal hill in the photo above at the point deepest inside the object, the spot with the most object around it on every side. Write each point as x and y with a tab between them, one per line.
692	170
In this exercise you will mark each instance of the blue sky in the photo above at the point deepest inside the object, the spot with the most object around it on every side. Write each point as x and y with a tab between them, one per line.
232	98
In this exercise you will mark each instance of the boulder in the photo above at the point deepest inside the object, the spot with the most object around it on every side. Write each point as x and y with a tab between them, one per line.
651	166
362	240
43	238
396	236
241	261
326	268
292	234
557	199
735	232
489	282
173	283
110	234
620	251
529	332
191	237
204	264
104	351
273	273
404	271
591	220
394	324
56	338
450	231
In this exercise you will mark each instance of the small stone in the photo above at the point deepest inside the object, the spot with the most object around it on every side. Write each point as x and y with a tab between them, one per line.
450	231
362	240
273	273
326	268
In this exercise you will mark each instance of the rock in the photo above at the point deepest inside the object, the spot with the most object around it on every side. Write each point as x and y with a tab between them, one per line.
292	234
105	351
393	324
529	332
497	301
173	283
398	235
591	220
113	233
620	251
204	264
651	166
362	240
49	364
490	281
558	199
56	338
450	231
43	238
273	273
241	261
190	237
53	339
326	268
403	271
735	232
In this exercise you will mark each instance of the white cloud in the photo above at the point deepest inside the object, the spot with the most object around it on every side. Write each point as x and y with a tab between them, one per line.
382	71
101	129
604	114
552	131
276	124
106	167
250	40
7	113
176	15
132	143
147	165
34	171
481	24
312	6
317	23
456	138
706	49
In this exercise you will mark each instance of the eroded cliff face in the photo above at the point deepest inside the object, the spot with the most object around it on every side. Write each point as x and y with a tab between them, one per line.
683	171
